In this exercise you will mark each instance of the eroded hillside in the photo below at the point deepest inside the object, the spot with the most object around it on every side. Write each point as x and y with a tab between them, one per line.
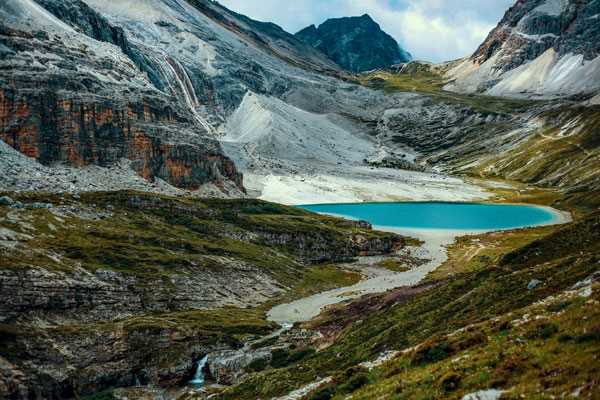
105	288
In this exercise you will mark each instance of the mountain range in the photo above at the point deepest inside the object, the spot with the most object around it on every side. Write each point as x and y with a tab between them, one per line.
153	153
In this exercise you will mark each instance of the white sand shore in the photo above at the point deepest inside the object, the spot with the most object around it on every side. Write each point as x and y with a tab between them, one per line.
434	248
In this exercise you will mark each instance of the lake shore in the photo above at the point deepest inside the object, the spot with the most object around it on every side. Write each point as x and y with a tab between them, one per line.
433	248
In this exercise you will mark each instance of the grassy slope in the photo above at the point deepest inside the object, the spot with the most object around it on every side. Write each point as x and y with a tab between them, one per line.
153	237
474	295
540	351
564	153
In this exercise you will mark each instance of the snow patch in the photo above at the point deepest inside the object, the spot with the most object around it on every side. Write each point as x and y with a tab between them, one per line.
537	38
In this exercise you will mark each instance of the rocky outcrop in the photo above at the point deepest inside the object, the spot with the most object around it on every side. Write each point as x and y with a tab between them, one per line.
355	43
529	28
449	130
98	357
544	48
268	37
316	247
105	295
88	130
12	381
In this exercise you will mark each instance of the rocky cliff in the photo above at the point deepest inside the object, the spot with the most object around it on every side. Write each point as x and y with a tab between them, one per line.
355	43
542	48
71	95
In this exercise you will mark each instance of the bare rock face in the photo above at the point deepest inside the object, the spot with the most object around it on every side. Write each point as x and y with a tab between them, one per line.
84	130
12	381
529	28
543	48
72	99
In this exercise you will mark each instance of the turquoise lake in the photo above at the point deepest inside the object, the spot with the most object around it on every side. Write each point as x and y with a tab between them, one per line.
432	215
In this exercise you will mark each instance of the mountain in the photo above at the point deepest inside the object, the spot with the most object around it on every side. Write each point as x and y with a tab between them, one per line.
130	95
541	48
140	140
89	84
355	43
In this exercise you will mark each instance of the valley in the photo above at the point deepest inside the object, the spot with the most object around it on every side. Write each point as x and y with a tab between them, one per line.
193	206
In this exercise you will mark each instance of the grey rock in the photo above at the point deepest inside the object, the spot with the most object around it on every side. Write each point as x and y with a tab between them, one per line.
40	205
6	201
17	205
533	284
573	29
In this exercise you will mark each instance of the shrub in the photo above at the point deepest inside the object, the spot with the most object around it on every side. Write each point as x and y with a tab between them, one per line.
471	340
450	381
556	307
300	355
541	330
258	365
593	335
432	351
508	368
355	382
326	393
283	357
343	376
280	358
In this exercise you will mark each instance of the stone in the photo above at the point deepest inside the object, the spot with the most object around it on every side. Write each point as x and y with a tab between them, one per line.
40	205
534	283
6	201
17	205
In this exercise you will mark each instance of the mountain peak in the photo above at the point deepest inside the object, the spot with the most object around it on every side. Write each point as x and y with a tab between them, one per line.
555	41
355	43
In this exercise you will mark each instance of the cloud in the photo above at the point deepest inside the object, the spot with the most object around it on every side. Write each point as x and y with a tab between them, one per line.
434	30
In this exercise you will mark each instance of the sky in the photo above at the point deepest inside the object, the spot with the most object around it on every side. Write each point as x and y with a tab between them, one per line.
432	30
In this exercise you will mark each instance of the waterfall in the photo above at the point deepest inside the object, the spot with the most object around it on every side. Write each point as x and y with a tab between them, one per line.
198	379
187	89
